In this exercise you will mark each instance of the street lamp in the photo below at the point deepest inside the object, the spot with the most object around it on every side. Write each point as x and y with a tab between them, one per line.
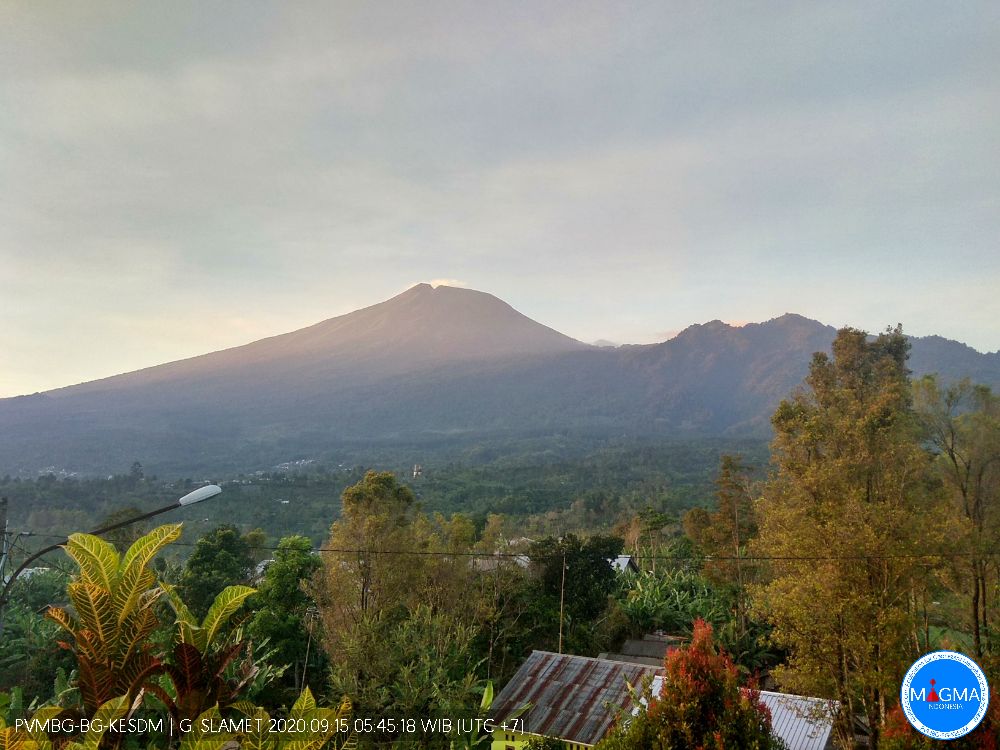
202	493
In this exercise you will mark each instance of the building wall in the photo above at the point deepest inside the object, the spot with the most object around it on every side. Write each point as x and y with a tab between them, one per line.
517	740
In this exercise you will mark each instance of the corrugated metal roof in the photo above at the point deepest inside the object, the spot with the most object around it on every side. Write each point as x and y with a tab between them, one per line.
647	660
649	649
803	723
575	698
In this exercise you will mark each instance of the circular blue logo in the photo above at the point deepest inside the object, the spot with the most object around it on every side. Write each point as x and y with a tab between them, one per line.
945	695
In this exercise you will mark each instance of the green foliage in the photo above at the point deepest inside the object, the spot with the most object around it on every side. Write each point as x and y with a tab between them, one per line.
113	598
849	505
419	664
34	739
202	669
672	600
124	537
962	423
560	482
323	727
221	557
284	615
588	578
545	743
407	634
27	659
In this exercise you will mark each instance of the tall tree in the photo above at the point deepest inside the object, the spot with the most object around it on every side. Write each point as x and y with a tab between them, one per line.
222	557
844	518
396	604
588	578
725	533
963	423
284	613
373	562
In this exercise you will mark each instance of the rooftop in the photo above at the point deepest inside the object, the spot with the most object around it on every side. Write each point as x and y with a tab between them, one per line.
575	698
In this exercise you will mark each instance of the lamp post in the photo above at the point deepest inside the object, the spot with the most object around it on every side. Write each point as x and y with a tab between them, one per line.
202	493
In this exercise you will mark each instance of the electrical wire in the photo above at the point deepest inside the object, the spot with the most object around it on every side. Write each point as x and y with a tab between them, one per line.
675	558
58	566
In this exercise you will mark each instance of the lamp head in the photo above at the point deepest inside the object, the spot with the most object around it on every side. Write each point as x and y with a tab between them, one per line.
202	493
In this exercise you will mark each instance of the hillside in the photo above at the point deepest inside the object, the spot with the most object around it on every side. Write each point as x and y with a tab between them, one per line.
429	364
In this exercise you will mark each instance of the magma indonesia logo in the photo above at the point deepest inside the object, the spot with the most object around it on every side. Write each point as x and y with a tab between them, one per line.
945	695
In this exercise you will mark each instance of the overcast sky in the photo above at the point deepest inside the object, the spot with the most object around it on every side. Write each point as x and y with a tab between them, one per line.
177	178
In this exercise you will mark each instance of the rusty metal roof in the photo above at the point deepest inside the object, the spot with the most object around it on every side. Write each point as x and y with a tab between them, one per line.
574	698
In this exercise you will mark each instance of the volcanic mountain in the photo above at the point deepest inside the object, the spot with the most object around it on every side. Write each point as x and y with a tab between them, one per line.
424	326
431	361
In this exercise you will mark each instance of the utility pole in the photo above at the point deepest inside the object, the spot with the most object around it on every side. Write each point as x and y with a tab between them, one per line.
4	543
562	599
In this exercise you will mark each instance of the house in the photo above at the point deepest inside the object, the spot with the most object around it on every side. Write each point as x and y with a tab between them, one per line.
649	651
803	723
577	699
260	570
623	564
569	697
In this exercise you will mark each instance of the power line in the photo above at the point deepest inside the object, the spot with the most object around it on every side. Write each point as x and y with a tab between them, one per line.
58	566
674	558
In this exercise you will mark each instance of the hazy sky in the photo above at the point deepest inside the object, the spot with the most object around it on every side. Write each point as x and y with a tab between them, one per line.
181	177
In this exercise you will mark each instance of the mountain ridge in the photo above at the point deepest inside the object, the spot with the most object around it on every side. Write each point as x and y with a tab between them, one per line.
430	361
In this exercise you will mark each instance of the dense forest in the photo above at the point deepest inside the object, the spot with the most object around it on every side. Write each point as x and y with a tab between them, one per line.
864	537
553	486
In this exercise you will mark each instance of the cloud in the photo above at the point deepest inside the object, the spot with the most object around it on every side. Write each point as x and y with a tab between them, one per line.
448	282
608	172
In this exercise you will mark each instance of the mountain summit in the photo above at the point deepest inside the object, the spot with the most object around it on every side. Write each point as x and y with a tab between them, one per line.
433	323
425	325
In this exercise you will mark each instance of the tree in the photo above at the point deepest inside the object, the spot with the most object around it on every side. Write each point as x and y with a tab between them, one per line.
963	424
727	532
363	576
588	578
700	705
283	612
220	558
844	517
418	665
394	599
576	579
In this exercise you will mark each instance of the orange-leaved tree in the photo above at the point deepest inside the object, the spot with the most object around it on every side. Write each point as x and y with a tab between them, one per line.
700	704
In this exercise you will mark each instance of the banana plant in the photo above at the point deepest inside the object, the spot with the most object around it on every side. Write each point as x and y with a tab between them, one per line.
203	671
113	597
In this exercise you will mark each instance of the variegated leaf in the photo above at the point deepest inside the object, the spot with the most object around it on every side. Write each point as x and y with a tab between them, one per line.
98	559
225	604
145	548
93	608
305	702
109	712
179	607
